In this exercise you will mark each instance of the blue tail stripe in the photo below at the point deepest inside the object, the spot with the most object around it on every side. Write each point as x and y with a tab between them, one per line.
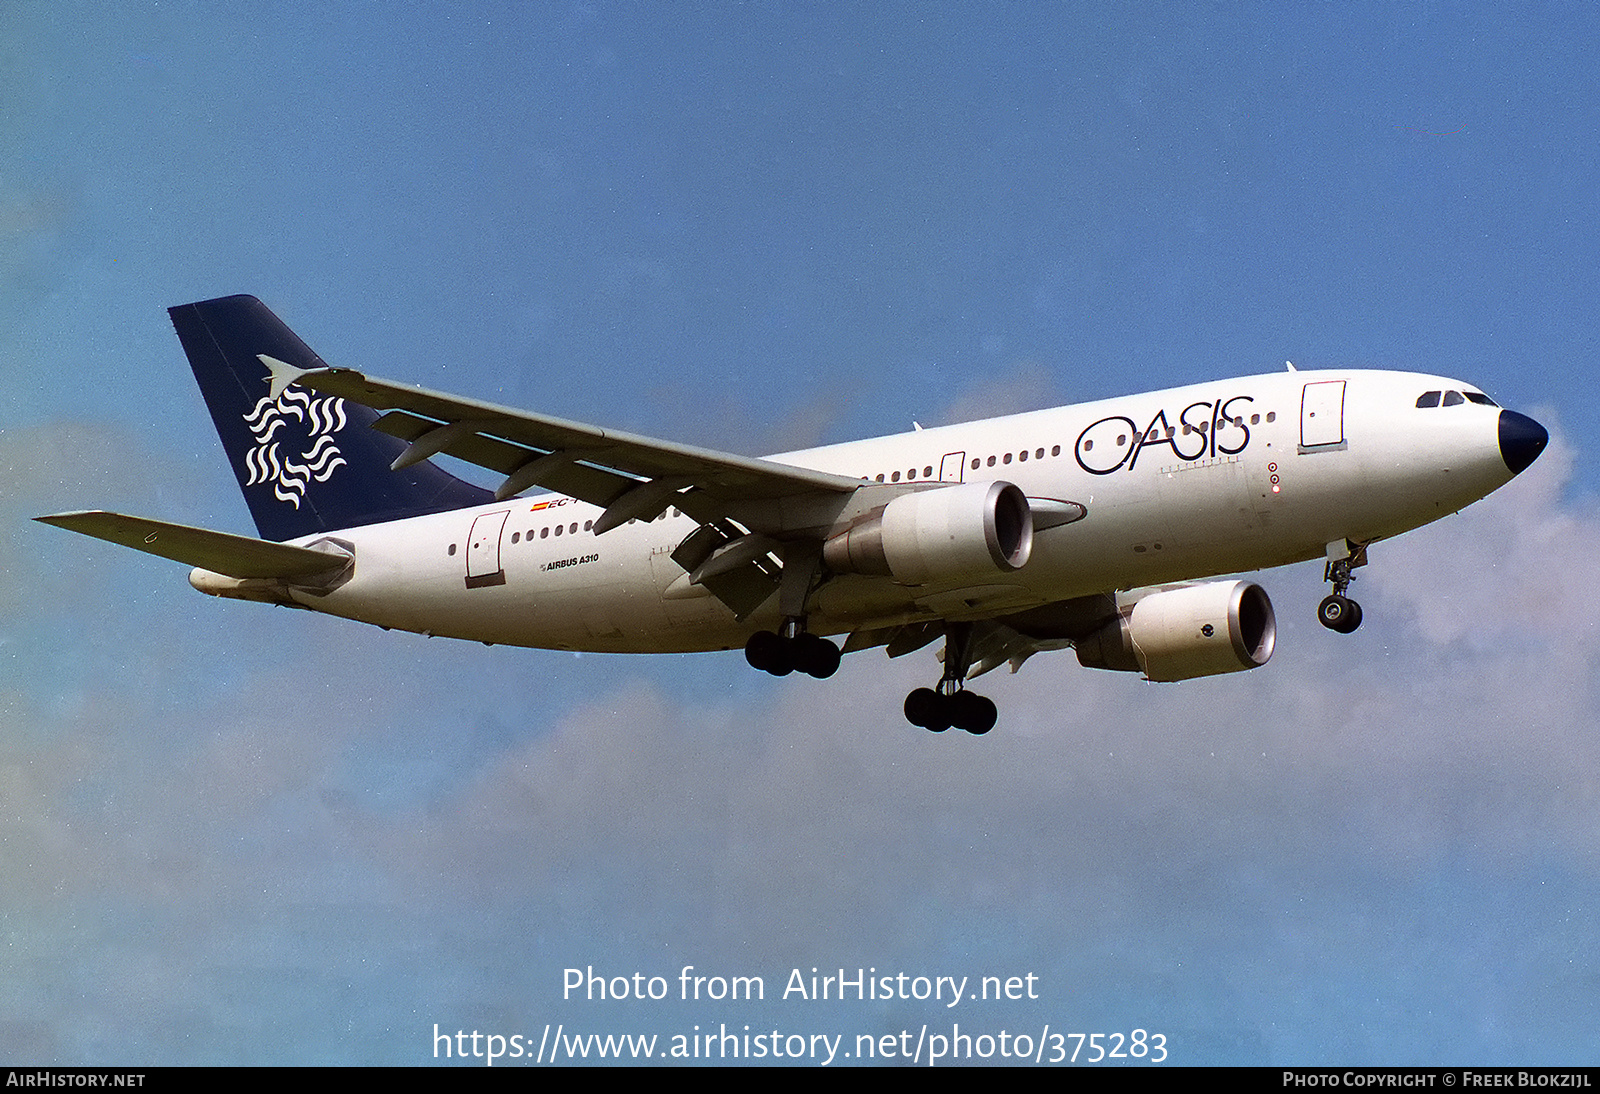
307	463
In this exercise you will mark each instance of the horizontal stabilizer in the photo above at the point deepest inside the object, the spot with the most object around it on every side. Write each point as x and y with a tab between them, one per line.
219	552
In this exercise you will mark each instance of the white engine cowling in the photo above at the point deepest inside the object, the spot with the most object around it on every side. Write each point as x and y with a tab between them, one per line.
1182	633
953	533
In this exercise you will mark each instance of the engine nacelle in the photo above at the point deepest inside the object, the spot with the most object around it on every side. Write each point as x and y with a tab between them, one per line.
1195	630
973	531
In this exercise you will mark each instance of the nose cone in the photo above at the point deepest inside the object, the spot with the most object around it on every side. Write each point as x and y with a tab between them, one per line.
1521	440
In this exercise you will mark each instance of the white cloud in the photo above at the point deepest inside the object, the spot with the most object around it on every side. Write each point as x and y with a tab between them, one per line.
1520	563
1025	385
794	822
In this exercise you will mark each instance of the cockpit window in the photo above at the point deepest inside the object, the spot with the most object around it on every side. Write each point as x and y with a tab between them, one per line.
1453	398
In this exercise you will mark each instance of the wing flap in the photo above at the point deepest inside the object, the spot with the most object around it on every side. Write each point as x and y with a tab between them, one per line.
595	485
219	552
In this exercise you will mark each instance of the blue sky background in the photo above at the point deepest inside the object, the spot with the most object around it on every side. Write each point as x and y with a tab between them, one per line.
231	834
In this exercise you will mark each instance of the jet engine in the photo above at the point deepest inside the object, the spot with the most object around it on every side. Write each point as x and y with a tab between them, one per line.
952	533
1188	631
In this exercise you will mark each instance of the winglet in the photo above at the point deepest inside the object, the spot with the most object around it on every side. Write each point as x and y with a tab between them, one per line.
283	374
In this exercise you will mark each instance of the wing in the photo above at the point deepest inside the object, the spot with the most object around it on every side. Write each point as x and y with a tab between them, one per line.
626	475
741	503
219	552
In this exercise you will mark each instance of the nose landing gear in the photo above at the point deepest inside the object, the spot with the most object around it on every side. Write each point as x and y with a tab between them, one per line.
1338	612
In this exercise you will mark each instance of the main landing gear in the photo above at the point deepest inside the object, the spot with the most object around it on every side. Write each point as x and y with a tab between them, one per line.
793	649
951	704
939	710
1338	612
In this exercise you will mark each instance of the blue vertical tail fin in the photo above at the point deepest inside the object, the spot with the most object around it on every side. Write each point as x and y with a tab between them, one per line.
307	463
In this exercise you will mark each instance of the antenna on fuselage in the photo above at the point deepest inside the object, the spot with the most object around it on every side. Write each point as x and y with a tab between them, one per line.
1291	366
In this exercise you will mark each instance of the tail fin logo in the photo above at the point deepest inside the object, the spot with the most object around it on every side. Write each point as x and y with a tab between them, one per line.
294	421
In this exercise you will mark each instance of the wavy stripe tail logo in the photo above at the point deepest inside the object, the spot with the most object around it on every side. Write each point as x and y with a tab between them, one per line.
294	444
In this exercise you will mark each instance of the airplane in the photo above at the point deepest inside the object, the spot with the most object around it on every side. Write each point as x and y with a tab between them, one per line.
1104	527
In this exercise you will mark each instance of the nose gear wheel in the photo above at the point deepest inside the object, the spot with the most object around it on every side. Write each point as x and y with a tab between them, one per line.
1338	612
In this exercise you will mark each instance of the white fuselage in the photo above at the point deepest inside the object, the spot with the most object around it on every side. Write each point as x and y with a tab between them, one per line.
1188	483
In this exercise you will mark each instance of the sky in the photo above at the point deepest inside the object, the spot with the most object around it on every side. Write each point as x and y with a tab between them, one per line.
231	834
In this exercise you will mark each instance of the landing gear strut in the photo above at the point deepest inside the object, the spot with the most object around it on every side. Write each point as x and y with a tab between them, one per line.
951	704
1338	612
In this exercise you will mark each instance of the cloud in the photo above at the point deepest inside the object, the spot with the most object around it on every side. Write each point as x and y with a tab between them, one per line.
1516	563
815	813
212	829
1026	385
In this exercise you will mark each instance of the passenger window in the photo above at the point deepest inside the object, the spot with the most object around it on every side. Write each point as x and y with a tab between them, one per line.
1453	398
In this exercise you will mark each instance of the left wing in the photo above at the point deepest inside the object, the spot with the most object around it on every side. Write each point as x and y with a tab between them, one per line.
626	475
